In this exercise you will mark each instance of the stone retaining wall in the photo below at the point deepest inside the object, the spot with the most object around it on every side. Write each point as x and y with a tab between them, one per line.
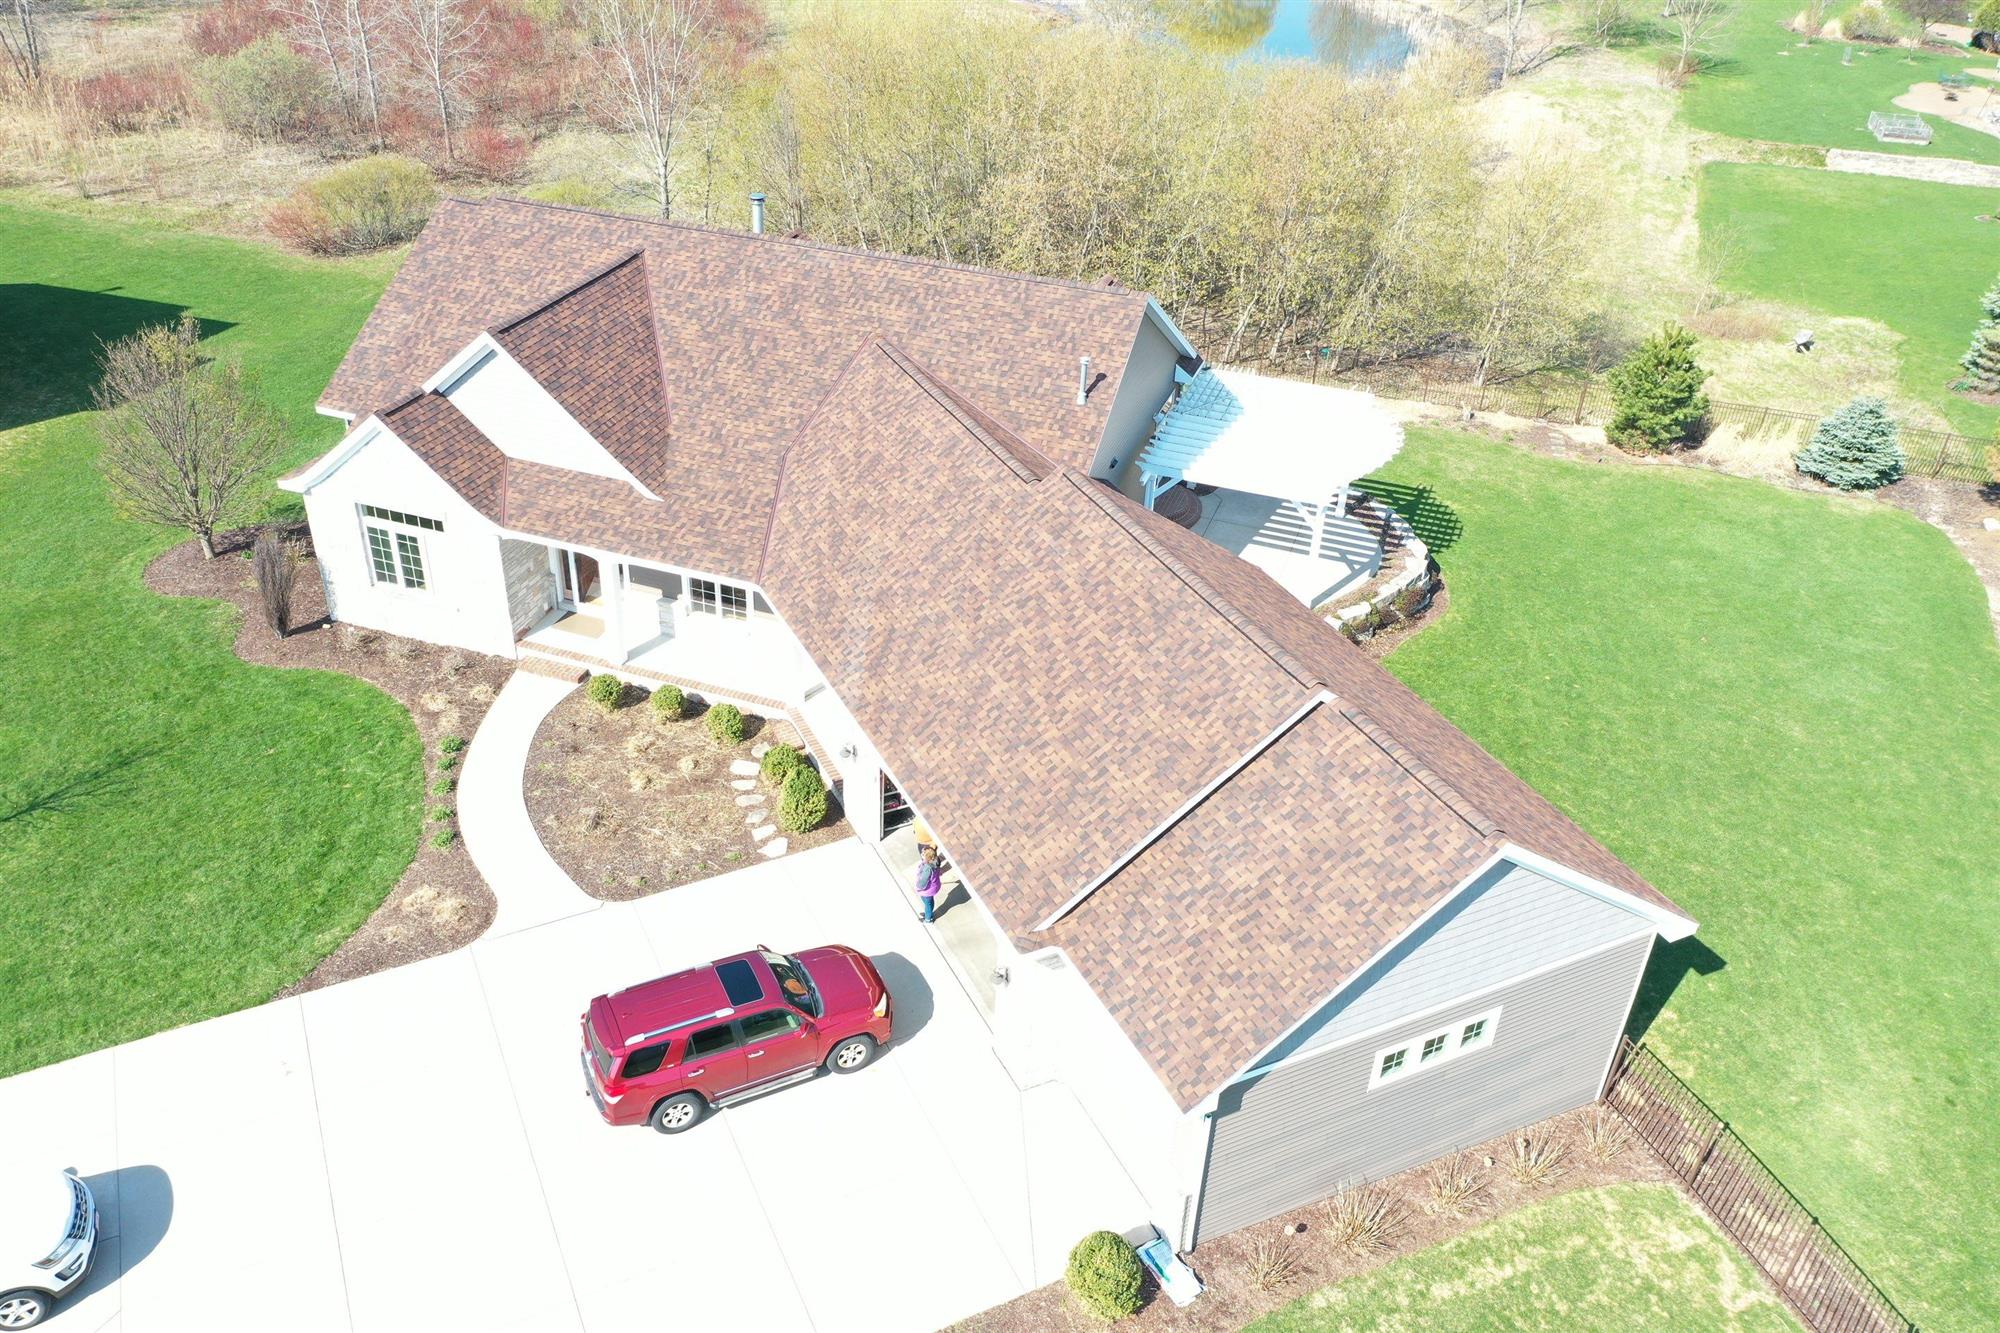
1406	562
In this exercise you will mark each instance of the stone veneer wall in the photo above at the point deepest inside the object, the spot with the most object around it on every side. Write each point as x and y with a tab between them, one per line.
531	589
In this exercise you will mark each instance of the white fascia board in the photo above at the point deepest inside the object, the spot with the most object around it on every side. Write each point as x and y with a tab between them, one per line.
1159	830
1672	926
328	463
1168	327
467	356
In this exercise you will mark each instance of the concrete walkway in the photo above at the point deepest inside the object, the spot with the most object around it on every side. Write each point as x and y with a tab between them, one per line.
493	816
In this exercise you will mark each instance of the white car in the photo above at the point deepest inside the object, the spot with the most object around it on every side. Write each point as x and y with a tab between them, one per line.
48	1237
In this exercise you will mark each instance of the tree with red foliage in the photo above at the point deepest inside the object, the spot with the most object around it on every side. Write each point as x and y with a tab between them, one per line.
125	100
495	153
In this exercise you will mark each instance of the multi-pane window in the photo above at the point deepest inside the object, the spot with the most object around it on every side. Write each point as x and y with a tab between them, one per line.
727	600
1441	1045
396	546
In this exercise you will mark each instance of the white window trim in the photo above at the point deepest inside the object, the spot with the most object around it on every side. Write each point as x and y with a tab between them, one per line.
1453	1032
720	609
420	536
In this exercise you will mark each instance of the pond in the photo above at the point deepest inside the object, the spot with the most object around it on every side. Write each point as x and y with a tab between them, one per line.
1327	32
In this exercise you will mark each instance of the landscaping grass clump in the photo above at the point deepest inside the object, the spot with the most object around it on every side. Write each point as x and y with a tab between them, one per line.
444	837
1536	1159
606	691
444	786
1274	1263
1456	1186
802	803
451	745
1105	1274
669	703
725	724
779	761
440	813
1605	1136
1362	1219
1855	448
447	762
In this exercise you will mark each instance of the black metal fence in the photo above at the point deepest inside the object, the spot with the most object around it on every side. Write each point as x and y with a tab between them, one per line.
1823	1285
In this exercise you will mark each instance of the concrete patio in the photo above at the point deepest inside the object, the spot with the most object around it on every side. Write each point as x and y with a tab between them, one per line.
415	1148
1275	536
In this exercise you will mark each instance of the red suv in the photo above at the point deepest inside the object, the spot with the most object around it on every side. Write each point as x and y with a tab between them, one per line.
664	1052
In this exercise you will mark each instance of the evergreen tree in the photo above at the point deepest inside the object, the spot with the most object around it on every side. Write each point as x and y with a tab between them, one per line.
1982	359
1658	393
1855	448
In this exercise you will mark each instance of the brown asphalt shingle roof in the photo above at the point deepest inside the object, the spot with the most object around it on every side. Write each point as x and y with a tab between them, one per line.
1069	685
1053	672
751	332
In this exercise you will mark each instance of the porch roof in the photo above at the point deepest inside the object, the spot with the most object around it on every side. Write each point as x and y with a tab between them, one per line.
1273	437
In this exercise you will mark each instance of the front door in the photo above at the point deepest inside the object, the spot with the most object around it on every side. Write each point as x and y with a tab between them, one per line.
577	574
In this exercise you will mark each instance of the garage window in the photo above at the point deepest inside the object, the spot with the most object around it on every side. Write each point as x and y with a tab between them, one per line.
1443	1044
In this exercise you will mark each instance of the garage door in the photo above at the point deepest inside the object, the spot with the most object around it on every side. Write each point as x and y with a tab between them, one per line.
1315	1126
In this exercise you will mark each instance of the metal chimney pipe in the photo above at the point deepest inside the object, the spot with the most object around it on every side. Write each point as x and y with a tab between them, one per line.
757	214
1083	381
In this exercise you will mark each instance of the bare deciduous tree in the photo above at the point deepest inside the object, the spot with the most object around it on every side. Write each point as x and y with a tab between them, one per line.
656	58
316	26
182	436
1695	25
21	36
1527	43
362	22
439	42
275	562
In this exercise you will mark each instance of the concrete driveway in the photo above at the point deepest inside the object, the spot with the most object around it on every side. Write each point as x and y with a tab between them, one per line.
415	1149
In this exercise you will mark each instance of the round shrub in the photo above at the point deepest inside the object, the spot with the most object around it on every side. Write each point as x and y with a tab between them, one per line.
606	691
779	761
802	804
1855	448
725	724
1105	1274
669	703
361	206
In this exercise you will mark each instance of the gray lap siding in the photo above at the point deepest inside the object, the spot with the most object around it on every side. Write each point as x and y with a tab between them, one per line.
1305	1130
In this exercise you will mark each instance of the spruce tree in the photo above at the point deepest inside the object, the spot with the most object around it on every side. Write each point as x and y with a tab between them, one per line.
1658	393
1982	359
1855	448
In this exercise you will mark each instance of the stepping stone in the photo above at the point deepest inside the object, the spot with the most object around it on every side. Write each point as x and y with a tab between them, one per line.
750	800
760	749
743	768
744	784
775	847
763	831
754	816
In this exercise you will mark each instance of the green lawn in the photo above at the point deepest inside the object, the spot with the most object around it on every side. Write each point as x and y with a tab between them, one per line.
1783	709
180	834
1764	85
1907	253
1635	1257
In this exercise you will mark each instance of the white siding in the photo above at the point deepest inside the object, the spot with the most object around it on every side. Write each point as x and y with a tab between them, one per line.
1511	921
465	602
524	422
860	774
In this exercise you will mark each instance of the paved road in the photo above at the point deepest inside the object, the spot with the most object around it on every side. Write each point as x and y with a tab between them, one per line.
415	1150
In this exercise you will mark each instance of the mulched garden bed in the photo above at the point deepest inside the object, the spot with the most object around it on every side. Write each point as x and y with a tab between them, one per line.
441	903
1229	1265
629	805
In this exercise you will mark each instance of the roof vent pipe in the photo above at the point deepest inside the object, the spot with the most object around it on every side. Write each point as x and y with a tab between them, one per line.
757	214
1083	381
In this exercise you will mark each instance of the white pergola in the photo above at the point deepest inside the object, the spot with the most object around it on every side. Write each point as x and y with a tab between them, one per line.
1303	444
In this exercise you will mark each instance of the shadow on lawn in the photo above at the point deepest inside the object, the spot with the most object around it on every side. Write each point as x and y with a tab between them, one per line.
51	339
23	802
1436	522
1670	966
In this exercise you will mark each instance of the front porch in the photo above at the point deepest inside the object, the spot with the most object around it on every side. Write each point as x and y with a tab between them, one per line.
671	624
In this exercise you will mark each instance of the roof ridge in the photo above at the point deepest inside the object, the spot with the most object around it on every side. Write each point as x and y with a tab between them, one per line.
805	242
785	459
596	275
1208	592
1413	764
1009	450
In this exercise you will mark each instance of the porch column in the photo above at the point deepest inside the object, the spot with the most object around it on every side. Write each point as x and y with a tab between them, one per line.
1345	486
615	594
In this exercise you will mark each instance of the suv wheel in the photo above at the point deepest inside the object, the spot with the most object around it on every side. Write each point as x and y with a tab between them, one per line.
24	1309
851	1054
678	1112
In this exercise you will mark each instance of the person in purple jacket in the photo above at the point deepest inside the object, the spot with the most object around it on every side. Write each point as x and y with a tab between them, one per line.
928	879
